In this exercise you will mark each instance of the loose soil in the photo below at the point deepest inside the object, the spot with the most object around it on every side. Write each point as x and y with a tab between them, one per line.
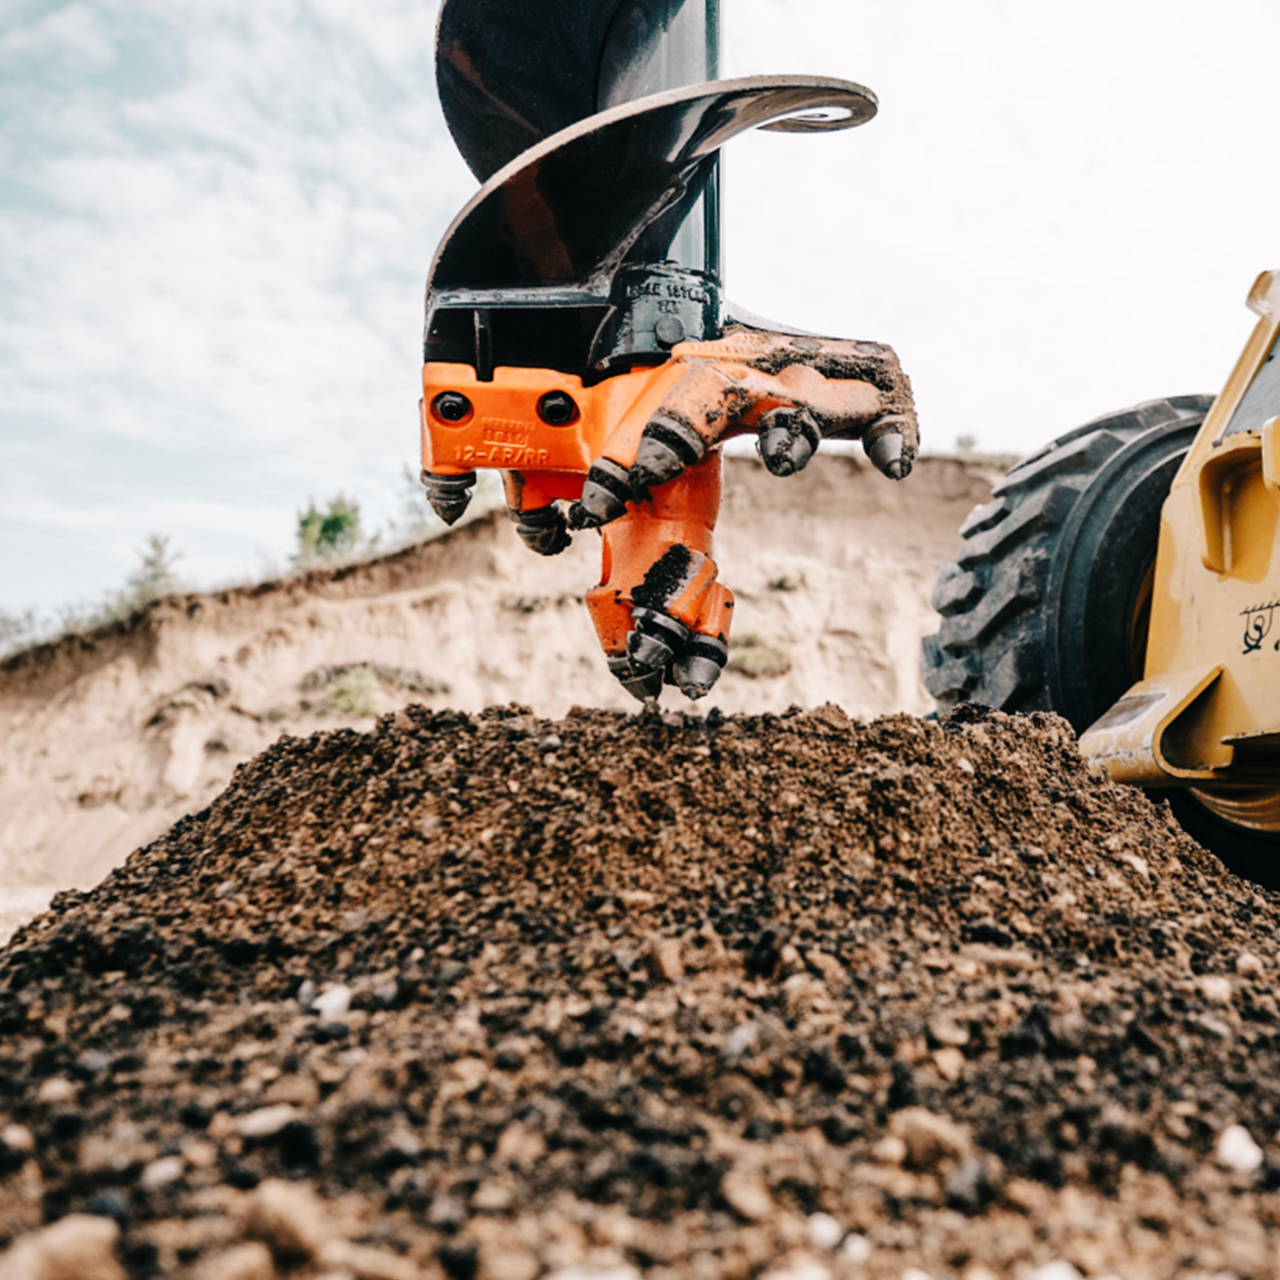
644	993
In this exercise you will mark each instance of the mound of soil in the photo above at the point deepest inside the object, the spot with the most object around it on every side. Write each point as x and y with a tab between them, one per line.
651	993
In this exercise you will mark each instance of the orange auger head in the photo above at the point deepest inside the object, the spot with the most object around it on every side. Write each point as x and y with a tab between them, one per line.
576	336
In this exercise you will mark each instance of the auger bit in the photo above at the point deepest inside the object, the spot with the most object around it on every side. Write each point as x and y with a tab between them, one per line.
576	336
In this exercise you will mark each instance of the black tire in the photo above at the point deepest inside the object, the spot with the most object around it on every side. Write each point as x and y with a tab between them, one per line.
1255	855
1028	624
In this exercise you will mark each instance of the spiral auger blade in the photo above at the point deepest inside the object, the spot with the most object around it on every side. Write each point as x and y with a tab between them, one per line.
577	338
597	205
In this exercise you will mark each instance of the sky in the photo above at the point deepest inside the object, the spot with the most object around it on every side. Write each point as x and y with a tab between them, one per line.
216	219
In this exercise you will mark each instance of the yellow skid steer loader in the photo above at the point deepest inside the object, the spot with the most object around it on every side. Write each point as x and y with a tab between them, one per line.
1128	577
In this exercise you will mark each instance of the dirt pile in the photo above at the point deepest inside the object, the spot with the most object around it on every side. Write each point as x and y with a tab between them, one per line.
681	996
105	741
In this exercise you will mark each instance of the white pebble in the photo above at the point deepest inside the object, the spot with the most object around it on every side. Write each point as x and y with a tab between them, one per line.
160	1173
1059	1270
55	1091
1248	965
822	1231
332	1003
17	1138
265	1121
1237	1150
1216	989
856	1249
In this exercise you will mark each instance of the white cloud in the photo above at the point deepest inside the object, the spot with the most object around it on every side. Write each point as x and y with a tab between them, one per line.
216	219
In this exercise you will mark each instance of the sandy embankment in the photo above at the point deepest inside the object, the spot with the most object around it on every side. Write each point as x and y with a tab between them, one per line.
108	740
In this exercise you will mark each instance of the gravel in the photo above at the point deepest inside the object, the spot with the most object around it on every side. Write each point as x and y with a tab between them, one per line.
736	996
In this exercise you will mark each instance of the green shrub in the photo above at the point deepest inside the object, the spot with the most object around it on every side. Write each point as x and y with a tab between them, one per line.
331	533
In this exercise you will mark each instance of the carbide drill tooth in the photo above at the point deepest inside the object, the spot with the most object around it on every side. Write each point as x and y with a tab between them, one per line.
885	449
655	640
605	495
788	439
449	496
643	686
700	665
667	447
545	530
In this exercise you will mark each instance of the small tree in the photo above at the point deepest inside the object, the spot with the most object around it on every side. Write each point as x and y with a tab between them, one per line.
330	533
154	577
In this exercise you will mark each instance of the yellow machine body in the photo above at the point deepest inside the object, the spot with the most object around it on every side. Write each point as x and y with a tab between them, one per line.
1207	712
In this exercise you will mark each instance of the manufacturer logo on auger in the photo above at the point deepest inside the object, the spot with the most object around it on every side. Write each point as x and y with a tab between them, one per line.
496	431
1257	625
668	289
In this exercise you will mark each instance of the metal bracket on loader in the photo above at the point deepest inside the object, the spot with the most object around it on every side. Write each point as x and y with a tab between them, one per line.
576	335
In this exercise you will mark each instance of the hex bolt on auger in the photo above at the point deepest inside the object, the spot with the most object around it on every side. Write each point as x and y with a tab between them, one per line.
576	336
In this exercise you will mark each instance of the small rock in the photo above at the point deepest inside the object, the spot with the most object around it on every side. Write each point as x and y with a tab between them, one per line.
491	1197
663	959
108	1204
266	1121
332	1004
747	1195
1057	1270
637	899
889	1150
520	1146
1237	1151
296	1090
289	1218
1216	989
16	1137
949	1030
950	1063
79	1247
93	1063
930	1138
914	1273
855	1250
367	1263
1248	965
972	1185
823	1232
740	1042
552	742
1140	866
511	1263
446	1214
248	1261
162	1172
55	1091
306	993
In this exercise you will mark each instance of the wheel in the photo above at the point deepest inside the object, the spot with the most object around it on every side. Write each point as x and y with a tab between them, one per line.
1028	621
1046	607
1241	827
